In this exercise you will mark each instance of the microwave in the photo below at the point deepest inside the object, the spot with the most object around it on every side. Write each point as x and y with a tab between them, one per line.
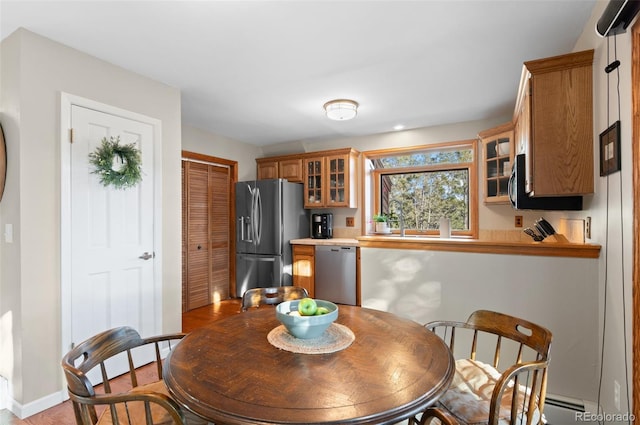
521	200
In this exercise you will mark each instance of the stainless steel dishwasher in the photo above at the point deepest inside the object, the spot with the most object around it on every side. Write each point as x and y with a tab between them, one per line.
335	274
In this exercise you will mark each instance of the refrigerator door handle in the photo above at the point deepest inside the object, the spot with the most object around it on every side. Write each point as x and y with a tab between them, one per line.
252	218
258	220
246	223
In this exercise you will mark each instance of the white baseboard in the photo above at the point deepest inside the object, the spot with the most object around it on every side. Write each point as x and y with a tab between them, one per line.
25	410
4	393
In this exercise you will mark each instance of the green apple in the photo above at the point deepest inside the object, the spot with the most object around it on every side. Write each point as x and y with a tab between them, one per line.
322	310
307	306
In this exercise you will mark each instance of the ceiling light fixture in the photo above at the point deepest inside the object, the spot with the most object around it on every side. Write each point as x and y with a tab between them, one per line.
341	109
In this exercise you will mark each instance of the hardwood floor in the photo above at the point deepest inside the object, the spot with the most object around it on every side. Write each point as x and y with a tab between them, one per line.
203	315
62	414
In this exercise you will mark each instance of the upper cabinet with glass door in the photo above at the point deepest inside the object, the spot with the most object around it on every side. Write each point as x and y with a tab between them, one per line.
498	150
330	179
313	182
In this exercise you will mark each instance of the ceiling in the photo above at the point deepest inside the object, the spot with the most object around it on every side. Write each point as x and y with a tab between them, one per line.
260	71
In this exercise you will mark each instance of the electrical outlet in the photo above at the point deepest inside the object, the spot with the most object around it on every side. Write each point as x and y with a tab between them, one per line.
518	221
350	222
616	394
587	228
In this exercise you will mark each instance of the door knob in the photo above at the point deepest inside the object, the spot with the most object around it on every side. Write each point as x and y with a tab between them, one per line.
146	256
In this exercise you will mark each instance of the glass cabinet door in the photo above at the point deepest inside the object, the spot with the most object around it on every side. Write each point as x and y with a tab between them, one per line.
313	184
337	180
497	167
327	180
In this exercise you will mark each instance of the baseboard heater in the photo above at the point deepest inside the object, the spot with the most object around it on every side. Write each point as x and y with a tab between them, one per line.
561	410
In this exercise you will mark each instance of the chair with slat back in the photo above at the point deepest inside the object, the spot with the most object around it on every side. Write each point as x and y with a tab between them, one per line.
256	297
144	404
484	391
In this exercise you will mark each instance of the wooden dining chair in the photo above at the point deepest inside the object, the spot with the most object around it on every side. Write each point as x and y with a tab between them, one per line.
136	402
501	371
256	297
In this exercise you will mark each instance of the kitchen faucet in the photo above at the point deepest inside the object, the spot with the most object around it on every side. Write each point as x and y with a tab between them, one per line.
400	216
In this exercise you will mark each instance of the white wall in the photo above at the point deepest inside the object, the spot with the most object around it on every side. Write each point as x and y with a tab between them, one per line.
613	197
560	294
34	71
200	141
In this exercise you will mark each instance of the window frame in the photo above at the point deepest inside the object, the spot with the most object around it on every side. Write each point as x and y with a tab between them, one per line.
372	178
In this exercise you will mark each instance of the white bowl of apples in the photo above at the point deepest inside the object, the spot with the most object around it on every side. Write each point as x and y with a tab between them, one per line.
306	318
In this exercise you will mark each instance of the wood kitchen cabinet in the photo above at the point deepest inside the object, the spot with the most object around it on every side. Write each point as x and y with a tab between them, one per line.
554	124
267	169
330	179
289	168
304	267
498	150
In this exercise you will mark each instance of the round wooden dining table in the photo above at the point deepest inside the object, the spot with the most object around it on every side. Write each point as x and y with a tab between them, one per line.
229	373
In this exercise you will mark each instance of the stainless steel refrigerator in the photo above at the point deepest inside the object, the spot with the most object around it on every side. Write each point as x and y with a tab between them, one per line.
269	213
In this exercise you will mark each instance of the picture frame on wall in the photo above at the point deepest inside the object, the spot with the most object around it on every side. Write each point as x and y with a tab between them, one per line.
610	150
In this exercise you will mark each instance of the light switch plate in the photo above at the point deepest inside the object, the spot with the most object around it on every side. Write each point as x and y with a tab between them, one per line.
8	233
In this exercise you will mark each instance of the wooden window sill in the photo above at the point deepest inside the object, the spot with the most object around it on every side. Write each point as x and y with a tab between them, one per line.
548	247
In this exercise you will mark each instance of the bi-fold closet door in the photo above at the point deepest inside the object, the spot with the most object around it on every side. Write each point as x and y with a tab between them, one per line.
205	233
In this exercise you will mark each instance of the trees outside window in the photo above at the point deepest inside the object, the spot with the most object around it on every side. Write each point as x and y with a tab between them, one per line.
423	185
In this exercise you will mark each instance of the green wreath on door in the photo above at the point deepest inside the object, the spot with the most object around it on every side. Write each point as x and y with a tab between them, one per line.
117	165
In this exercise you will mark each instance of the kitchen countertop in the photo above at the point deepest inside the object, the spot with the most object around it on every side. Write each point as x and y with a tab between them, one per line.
333	241
546	248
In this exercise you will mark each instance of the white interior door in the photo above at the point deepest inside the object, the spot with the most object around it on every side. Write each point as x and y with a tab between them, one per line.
112	280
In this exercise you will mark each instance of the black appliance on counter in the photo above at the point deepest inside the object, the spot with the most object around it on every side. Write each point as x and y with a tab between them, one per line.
322	226
521	200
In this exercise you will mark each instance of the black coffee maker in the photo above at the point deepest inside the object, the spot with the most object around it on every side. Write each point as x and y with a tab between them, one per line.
322	226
